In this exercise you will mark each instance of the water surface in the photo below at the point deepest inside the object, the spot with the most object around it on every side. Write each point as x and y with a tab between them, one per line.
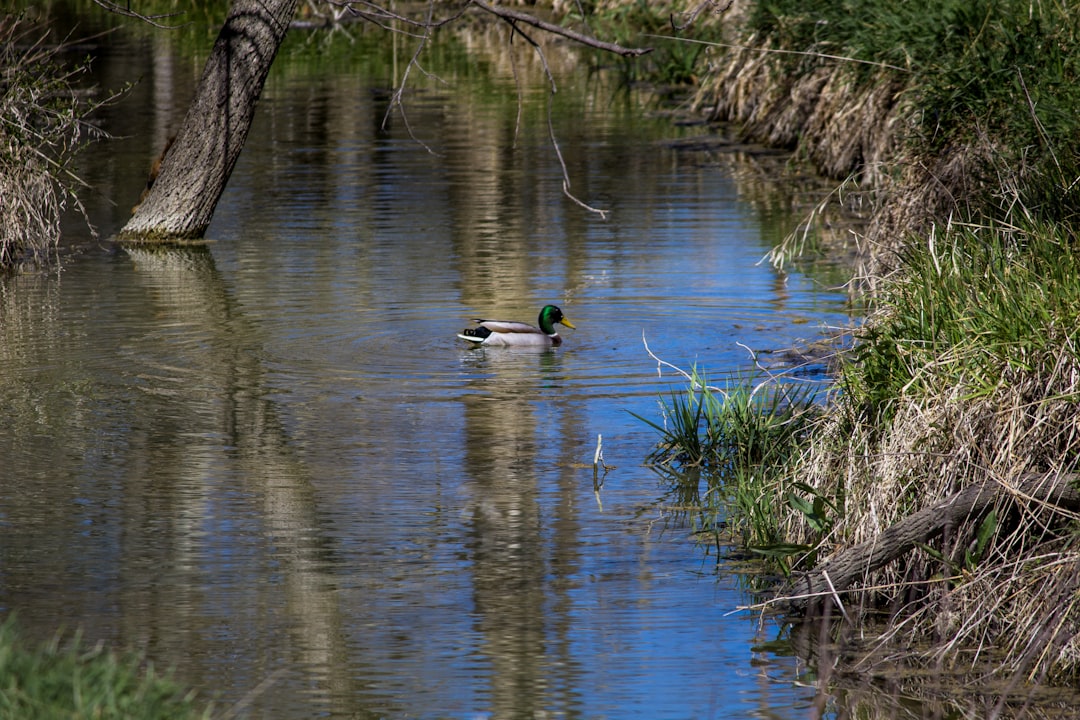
270	464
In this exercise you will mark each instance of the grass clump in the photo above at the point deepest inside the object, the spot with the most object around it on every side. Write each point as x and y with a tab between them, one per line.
982	308
737	442
72	682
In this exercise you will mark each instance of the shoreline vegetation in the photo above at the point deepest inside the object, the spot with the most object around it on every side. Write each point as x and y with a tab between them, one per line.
959	118
70	680
44	122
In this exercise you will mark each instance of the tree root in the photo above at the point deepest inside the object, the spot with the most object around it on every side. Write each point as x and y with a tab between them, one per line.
839	573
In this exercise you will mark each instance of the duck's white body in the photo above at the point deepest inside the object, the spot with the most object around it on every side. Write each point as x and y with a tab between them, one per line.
510	333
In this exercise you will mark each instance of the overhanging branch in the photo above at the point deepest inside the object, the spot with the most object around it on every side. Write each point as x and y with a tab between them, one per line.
516	16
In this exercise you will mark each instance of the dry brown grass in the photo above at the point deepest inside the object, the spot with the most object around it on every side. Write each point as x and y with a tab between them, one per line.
843	127
967	408
42	126
1016	600
854	131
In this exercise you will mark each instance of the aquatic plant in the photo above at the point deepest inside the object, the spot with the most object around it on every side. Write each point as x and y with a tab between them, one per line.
739	442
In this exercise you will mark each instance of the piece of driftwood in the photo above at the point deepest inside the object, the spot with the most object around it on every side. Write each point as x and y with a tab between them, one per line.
839	573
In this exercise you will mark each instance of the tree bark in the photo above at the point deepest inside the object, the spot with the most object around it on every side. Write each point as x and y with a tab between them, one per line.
842	571
195	168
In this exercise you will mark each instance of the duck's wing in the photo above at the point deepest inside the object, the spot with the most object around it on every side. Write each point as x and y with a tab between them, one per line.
509	326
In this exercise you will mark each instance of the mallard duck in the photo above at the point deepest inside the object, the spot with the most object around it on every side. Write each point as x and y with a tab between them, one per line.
512	333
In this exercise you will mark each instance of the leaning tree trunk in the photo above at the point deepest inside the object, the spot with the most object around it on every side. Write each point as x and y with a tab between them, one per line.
197	165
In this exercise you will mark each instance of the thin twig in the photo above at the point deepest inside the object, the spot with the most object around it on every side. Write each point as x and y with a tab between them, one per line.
835	596
807	53
697	11
565	173
395	100
516	16
517	90
694	384
550	123
126	11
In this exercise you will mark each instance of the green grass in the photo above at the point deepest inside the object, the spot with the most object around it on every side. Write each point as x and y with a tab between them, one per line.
976	308
72	682
738	442
1003	74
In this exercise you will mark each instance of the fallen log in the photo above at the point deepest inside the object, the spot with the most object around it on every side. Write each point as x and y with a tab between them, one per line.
839	573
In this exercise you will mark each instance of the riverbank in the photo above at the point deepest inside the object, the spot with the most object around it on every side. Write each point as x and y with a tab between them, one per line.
966	374
959	118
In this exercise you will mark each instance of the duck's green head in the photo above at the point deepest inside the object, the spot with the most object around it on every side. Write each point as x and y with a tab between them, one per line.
551	315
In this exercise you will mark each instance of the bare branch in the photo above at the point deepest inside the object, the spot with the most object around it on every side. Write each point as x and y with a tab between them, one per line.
395	101
515	16
517	88
551	127
693	14
149	19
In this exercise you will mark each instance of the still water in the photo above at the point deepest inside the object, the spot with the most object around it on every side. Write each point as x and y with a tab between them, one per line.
269	463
